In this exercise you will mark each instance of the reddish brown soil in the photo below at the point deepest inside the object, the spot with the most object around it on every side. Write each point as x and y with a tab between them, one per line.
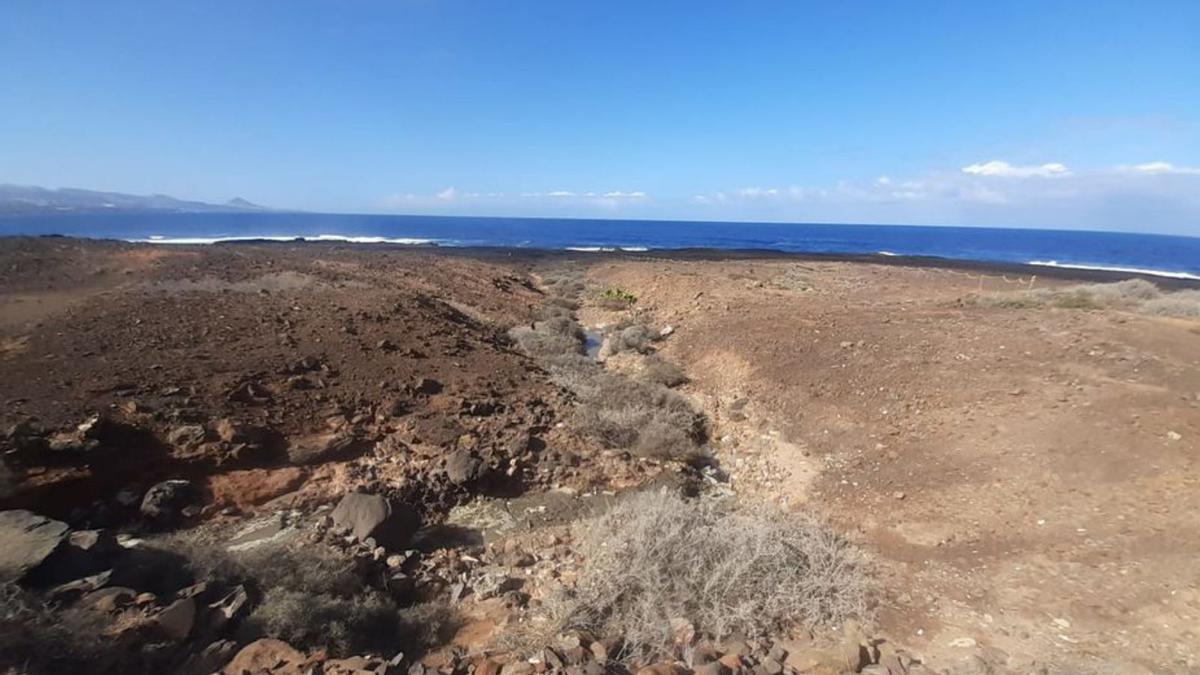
297	340
1028	480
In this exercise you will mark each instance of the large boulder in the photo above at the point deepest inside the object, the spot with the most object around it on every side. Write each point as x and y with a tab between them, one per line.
266	656
372	516
28	540
165	501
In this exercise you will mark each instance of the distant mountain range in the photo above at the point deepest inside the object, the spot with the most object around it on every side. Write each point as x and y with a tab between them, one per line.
29	199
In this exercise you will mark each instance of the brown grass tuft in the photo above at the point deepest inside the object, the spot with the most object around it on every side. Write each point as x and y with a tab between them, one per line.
654	559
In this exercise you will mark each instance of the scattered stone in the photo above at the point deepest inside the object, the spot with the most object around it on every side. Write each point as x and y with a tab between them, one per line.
187	436
165	501
210	659
463	466
72	590
108	600
28	540
250	393
769	666
1174	436
731	662
177	619
373	516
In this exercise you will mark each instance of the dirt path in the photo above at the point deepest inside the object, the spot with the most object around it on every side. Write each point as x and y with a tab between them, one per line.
1026	478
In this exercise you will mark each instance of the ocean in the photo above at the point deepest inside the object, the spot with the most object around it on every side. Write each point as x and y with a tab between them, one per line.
1164	255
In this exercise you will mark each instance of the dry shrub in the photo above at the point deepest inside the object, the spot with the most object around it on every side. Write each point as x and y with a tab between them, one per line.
1184	304
643	417
1021	300
1136	295
612	304
655	559
560	325
564	284
647	419
1121	294
631	338
544	343
313	597
560	303
368	621
36	639
657	370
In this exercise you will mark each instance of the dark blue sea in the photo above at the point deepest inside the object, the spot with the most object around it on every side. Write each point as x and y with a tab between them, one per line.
1161	254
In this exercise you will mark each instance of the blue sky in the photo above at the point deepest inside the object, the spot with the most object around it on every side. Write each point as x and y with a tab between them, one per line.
1044	114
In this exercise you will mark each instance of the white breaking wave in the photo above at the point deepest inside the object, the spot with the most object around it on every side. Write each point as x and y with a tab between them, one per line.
887	253
605	249
1108	268
408	241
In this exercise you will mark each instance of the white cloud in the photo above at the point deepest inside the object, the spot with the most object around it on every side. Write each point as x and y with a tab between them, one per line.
1135	197
758	192
1162	168
1001	168
447	195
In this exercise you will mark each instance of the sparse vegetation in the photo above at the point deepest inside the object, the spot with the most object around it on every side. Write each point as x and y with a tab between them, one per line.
616	298
655	560
313	597
1184	304
1135	295
642	416
544	343
649	420
657	370
35	639
627	337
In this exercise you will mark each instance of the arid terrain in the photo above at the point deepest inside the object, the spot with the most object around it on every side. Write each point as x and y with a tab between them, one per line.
299	457
1027	478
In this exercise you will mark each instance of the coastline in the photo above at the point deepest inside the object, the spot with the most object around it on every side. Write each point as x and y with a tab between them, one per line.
1047	270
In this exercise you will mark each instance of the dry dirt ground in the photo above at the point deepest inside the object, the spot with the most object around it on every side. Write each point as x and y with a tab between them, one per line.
317	346
1027	479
